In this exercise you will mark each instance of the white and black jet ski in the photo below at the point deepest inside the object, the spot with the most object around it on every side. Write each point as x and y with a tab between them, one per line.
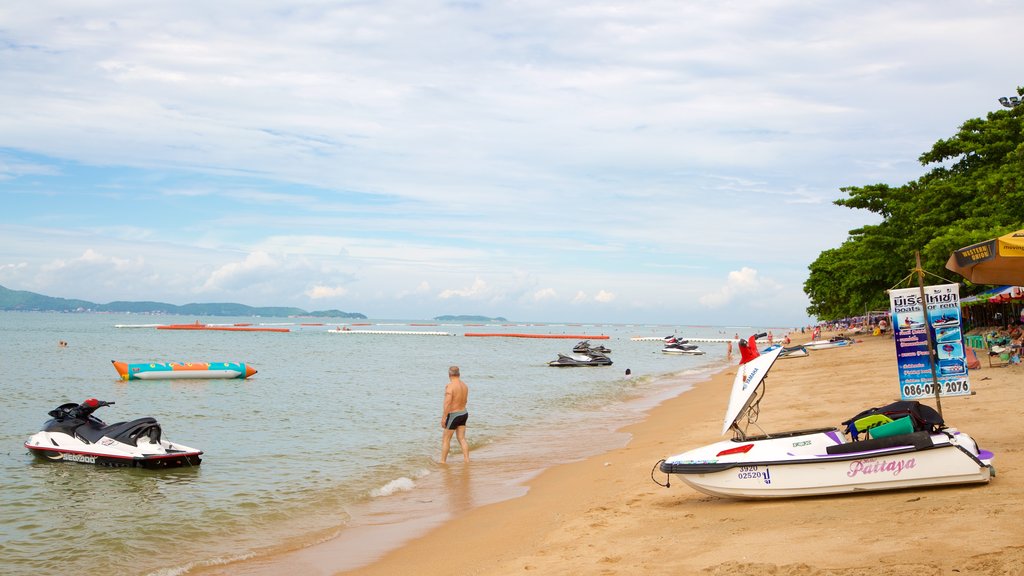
675	346
591	359
73	434
584	347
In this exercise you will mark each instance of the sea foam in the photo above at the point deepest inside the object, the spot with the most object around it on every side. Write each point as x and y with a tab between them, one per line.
397	485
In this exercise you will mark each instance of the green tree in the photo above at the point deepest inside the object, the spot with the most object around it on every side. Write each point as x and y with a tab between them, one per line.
974	191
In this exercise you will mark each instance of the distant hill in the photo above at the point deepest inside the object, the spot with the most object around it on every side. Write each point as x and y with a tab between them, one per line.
20	300
465	318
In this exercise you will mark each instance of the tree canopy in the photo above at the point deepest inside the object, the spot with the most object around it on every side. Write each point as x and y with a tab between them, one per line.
972	193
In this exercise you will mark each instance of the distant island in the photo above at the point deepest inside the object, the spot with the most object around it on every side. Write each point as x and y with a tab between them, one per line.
464	318
21	300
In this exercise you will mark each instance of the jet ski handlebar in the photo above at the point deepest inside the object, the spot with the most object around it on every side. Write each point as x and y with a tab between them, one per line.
82	411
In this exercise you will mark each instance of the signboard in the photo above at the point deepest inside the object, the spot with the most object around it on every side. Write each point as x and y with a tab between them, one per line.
911	325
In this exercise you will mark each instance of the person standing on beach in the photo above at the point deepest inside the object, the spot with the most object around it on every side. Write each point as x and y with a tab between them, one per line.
454	415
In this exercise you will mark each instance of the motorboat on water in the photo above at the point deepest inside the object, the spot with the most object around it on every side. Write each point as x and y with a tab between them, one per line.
584	346
74	434
592	359
901	445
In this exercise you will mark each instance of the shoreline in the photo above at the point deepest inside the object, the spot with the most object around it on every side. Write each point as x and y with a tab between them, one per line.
421	503
605	515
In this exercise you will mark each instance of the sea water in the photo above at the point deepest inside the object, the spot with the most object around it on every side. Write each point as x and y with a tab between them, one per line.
336	432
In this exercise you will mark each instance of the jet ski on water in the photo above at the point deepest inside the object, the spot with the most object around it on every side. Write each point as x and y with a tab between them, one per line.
74	434
584	346
592	359
676	346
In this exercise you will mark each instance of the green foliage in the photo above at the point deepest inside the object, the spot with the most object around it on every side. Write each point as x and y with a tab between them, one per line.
22	300
973	192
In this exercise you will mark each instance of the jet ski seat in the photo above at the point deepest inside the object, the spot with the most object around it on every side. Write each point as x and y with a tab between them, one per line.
126	432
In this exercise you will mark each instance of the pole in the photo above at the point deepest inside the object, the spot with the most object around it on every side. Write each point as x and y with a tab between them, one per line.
927	331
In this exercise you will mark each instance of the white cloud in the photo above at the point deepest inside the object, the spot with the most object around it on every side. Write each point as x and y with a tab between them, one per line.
422	288
320	292
92	260
478	290
545	294
236	274
744	283
604	296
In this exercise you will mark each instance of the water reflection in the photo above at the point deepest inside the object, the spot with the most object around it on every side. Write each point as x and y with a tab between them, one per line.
458	487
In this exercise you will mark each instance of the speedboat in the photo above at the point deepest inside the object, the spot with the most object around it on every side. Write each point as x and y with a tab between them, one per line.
592	359
681	347
584	346
901	445
74	434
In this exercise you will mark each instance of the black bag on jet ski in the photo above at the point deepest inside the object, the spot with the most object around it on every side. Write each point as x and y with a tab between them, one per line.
923	418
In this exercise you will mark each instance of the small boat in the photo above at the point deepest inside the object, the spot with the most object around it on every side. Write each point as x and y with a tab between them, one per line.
906	444
74	434
180	370
584	346
587	360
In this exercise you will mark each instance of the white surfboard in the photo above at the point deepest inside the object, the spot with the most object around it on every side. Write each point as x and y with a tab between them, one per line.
748	378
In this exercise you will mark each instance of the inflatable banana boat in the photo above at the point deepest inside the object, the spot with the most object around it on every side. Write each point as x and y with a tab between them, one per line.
177	370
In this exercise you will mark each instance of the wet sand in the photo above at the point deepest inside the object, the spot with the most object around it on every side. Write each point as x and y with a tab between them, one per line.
605	515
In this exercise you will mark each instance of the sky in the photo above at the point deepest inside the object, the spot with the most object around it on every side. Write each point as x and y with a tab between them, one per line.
668	162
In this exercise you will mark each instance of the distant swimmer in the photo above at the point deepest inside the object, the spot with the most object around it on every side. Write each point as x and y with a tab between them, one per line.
454	415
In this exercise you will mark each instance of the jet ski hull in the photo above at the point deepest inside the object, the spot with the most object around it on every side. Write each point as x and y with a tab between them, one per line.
678	351
150	461
561	364
564	361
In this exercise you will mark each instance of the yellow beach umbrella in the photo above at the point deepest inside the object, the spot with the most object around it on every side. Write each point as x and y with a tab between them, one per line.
996	261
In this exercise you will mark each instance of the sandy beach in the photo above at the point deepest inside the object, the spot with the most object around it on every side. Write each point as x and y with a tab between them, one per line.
605	515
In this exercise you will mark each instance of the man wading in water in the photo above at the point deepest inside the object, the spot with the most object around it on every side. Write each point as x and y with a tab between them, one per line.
454	415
